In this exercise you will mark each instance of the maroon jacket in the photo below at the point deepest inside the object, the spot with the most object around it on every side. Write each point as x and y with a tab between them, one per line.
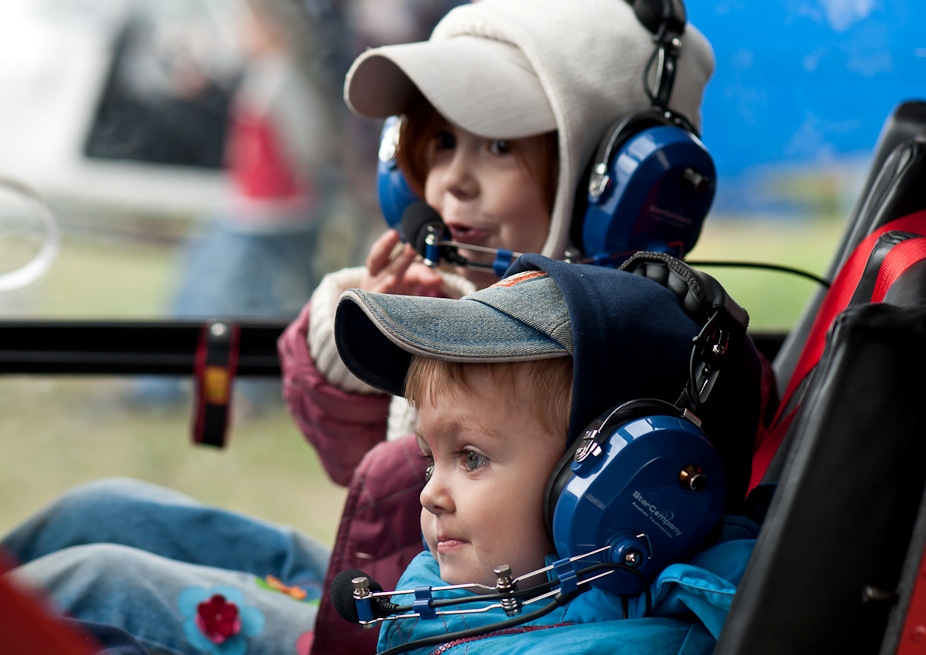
380	529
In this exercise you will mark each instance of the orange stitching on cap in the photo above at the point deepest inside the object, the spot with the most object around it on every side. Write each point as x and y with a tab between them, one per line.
520	277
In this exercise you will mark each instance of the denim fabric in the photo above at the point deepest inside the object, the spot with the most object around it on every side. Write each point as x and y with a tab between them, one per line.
143	558
518	318
227	272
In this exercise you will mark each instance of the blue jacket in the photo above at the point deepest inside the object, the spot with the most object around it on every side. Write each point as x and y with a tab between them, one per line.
690	603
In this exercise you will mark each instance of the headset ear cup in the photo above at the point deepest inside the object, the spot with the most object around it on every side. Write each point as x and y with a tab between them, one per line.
613	138
608	421
639	176
393	190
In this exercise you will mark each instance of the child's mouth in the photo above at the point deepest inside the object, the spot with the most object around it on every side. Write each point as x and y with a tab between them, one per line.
449	545
467	234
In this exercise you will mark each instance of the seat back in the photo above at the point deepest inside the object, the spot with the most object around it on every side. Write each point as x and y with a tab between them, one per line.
895	187
832	547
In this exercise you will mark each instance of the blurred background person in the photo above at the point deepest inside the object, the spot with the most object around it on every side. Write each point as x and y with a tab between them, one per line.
281	152
257	256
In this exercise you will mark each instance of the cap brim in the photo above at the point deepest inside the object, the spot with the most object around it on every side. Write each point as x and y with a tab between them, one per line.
377	334
486	87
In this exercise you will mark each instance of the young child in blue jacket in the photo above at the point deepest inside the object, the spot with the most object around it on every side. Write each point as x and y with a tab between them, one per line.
502	381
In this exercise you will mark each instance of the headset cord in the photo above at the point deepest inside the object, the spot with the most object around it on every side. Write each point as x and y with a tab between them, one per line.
648	594
771	267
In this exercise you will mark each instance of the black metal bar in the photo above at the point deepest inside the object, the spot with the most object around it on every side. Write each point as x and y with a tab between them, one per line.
53	347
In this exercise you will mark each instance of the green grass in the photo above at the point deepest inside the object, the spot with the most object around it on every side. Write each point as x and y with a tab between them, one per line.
101	279
774	300
58	432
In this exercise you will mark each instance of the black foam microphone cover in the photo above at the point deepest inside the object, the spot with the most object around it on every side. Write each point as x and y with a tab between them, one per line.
342	593
416	219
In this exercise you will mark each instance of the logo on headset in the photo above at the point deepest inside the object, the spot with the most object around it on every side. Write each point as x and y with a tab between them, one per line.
662	519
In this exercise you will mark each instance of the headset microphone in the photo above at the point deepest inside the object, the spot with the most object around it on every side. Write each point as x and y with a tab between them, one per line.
424	228
343	588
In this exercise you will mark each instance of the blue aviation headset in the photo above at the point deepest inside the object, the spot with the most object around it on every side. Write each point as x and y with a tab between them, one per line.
650	183
639	489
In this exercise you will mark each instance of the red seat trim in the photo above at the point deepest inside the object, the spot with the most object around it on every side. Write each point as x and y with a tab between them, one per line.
836	300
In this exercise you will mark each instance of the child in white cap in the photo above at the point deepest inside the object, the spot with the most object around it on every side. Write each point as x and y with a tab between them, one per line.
504	107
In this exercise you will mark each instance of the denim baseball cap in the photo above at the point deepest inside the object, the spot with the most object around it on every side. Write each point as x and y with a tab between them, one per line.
520	318
628	336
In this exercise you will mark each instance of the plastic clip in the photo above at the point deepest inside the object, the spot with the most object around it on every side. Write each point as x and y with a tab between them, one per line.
502	261
566	574
214	377
422	603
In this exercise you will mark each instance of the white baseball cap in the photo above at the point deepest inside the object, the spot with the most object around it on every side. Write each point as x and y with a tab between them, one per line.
485	86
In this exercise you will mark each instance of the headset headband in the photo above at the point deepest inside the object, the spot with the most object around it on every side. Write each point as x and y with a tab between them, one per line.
708	304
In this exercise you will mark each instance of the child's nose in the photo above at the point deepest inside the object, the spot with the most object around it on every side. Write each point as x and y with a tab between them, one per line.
435	497
459	178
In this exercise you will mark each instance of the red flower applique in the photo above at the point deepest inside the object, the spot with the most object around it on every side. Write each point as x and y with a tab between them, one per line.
218	619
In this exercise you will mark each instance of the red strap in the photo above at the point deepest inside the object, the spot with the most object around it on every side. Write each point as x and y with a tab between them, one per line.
901	257
840	294
214	379
913	636
835	301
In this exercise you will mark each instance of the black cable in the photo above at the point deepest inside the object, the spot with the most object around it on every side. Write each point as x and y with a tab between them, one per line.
558	601
623	567
771	267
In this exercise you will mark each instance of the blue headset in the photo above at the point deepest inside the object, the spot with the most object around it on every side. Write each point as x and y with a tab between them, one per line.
643	479
650	183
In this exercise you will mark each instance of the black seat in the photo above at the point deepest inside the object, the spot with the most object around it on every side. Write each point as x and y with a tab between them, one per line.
832	547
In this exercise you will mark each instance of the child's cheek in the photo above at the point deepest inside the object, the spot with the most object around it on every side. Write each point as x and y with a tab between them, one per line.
427	529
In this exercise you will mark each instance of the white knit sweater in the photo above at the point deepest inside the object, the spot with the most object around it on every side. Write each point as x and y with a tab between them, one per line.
325	354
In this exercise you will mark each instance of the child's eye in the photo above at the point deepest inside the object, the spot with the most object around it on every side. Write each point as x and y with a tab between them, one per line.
473	460
500	147
445	140
428	459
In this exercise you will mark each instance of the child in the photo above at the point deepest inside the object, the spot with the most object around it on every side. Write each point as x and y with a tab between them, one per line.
522	91
502	380
530	86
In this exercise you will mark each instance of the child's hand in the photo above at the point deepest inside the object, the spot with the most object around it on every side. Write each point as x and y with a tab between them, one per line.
400	274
